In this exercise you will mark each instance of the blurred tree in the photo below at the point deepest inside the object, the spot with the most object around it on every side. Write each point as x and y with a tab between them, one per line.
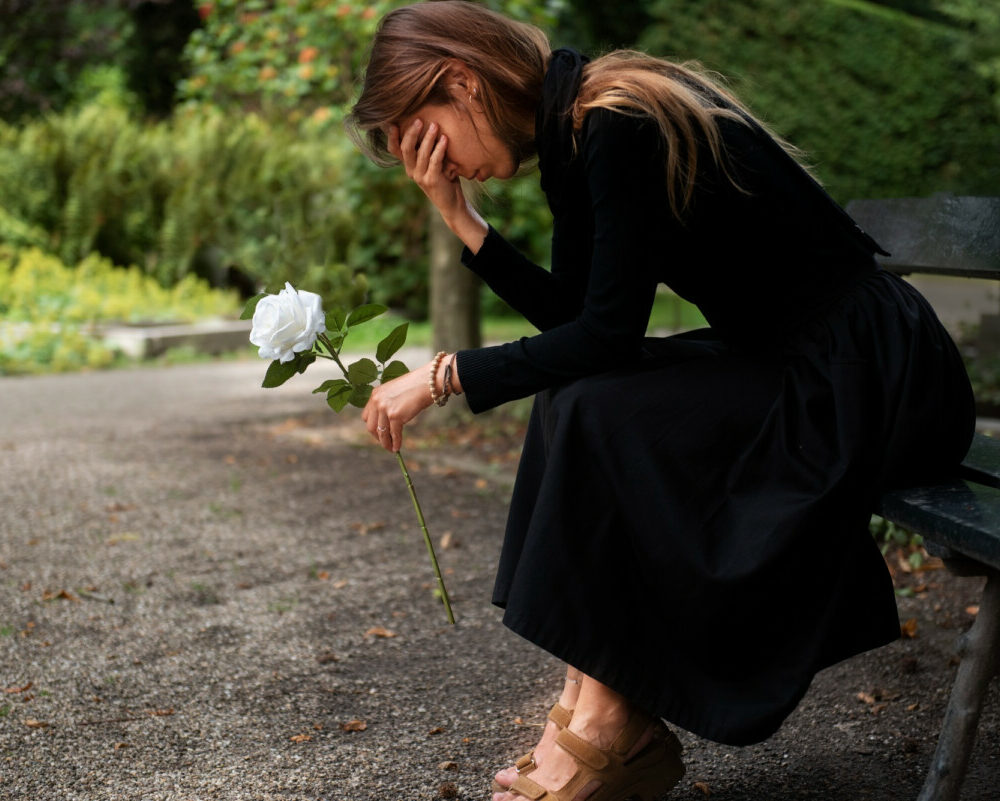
596	26
47	45
152	57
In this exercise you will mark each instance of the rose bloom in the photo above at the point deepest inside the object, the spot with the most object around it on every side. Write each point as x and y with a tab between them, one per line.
287	323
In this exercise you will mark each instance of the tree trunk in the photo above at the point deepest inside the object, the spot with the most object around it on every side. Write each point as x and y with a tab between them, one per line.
454	290
455	313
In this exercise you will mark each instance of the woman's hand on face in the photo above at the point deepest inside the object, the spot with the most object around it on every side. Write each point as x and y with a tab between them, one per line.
424	161
394	404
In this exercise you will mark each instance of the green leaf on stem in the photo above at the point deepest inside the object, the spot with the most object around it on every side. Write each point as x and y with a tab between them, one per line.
335	321
394	370
329	386
393	342
364	313
279	372
303	360
360	396
362	371
251	306
338	397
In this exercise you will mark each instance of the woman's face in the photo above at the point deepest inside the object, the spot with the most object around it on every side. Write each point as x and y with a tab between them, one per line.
474	151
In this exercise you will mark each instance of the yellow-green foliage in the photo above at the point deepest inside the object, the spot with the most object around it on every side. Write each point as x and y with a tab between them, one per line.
37	287
48	310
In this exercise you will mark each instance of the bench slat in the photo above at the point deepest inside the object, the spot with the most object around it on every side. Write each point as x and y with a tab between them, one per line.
943	234
959	514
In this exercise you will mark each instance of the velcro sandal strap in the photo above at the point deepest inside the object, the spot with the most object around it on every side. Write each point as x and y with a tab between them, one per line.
582	751
527	762
560	715
524	786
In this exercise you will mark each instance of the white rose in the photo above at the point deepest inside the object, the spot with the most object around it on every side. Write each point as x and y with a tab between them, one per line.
287	323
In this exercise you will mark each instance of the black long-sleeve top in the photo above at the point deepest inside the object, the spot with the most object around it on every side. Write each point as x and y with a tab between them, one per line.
757	257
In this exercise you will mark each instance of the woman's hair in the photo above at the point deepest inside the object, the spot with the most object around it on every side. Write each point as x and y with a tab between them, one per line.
413	49
415	46
683	99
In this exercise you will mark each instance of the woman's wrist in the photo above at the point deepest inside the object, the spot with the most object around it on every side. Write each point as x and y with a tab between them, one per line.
470	227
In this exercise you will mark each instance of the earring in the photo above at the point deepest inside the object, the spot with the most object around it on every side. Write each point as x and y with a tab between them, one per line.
472	97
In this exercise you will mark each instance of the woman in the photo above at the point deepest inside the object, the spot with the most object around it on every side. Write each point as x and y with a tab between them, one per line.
688	531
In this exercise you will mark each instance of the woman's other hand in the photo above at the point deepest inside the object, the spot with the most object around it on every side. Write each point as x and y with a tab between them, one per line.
423	156
425	160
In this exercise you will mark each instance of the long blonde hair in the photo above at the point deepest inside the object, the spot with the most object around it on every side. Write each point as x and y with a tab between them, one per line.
414	45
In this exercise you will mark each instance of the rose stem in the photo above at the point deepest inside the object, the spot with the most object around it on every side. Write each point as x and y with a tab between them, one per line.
427	537
333	353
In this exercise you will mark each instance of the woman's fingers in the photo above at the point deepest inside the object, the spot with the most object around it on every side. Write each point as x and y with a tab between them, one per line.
424	150
435	163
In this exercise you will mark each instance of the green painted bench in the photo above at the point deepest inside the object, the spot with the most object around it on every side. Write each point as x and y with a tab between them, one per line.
960	518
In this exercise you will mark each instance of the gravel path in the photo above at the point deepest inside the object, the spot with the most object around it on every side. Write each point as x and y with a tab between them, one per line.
212	591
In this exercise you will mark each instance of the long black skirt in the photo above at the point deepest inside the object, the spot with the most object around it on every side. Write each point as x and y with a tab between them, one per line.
693	530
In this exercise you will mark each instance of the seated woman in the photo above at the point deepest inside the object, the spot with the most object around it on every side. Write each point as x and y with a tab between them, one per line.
688	530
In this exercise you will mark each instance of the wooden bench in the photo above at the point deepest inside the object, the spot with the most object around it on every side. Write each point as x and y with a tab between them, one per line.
960	518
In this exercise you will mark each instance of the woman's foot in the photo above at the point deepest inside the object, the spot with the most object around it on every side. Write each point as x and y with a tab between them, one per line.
567	700
599	720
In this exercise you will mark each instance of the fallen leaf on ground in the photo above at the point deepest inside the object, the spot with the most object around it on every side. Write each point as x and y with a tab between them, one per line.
443	470
482	483
63	595
300	738
31	723
326	658
448	790
160	713
323	575
908	630
24	689
436	730
972	610
380	631
448	765
365	528
703	787
354	725
120	746
448	541
339	585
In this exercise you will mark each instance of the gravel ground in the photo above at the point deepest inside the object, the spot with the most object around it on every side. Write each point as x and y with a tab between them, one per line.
211	591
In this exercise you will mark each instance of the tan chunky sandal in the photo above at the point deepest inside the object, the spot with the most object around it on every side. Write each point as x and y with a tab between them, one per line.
559	715
648	776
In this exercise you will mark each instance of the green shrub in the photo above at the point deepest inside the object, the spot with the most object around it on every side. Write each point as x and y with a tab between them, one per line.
198	194
878	99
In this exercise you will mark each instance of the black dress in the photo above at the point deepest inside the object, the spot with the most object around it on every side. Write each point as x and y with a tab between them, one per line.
689	521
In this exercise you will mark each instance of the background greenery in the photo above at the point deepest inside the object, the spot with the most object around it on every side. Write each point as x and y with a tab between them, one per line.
203	139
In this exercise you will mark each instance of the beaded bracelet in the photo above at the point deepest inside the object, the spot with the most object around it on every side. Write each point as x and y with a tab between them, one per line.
442	399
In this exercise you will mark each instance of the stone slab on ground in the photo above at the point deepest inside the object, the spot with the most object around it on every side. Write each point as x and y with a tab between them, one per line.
213	591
